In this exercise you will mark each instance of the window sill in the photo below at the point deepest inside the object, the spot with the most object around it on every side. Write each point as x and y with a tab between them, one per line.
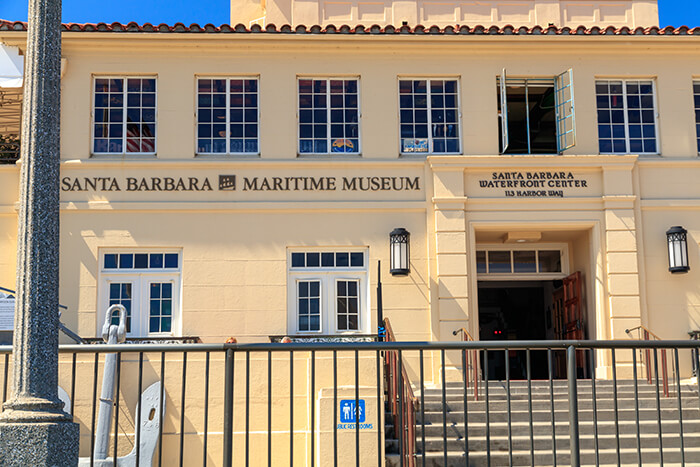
326	338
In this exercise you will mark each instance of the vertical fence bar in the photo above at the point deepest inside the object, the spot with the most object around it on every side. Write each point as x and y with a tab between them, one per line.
636	408
664	372
508	413
94	410
116	407
444	407
291	408
335	408
357	409
228	407
658	408
72	382
247	408
399	427
162	407
615	406
380	408
4	381
528	363
486	401
465	385
206	409
422	404
137	423
269	408
594	402
680	405
550	371
182	409
573	407
312	398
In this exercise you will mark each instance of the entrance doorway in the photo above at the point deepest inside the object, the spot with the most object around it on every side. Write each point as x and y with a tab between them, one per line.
517	310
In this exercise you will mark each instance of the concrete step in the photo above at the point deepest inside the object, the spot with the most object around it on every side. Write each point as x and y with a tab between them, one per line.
544	443
607	457
668	427
560	404
545	415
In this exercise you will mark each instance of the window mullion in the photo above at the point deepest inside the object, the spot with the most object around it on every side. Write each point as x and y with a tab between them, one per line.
227	134
430	115
328	116
624	106
125	148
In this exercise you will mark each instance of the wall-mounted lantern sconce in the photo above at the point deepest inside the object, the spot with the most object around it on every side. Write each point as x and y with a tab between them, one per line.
400	240
677	238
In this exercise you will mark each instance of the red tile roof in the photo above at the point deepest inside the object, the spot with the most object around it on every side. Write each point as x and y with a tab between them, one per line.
362	29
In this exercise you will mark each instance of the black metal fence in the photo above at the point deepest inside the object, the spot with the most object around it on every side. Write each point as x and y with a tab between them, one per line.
314	404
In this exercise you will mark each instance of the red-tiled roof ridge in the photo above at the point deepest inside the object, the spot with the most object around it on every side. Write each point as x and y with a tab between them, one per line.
419	29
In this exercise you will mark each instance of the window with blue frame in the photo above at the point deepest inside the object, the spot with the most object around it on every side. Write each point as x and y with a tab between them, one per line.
329	116
627	117
147	284
228	116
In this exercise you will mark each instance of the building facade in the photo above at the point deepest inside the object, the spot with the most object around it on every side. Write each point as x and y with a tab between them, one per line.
243	180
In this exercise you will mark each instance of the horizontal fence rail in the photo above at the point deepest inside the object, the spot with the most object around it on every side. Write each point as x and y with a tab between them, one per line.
335	404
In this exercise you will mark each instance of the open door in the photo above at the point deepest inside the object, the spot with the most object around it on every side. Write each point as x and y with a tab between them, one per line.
570	317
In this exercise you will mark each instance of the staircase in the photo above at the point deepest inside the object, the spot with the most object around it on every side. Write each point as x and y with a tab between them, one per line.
453	443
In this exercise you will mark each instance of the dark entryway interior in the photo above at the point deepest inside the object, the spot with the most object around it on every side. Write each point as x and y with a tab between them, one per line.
516	310
531	119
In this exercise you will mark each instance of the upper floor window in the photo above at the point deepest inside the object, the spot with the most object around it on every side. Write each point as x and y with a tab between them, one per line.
429	116
124	115
329	116
328	292
227	116
626	117
147	284
696	96
536	114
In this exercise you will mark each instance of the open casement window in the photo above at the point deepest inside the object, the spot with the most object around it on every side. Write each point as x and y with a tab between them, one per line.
328	293
536	114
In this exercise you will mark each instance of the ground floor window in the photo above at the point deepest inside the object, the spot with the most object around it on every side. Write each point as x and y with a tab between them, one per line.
147	284
328	292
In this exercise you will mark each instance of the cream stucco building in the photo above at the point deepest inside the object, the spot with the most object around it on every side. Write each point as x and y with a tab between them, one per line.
243	180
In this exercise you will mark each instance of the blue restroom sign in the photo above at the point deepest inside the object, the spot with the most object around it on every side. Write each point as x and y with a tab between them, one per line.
351	414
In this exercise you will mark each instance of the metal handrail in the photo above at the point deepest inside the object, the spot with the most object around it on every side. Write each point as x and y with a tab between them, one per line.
402	401
471	359
643	333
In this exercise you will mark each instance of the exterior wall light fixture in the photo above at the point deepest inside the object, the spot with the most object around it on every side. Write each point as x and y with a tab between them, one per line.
677	239
400	243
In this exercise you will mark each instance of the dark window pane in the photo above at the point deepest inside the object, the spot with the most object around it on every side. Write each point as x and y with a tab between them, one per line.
141	261
342	259
499	262
312	260
327	260
357	259
481	262
110	261
126	261
298	260
315	291
156	260
549	261
171	260
524	262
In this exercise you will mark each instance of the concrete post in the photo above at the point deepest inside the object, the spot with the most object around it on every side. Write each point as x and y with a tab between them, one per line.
34	430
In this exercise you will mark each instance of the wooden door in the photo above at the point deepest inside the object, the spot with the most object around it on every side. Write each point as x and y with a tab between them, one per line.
570	319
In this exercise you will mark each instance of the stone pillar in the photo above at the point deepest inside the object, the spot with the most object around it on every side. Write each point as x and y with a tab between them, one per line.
34	430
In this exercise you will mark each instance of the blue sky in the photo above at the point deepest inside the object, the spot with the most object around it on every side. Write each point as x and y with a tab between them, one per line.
672	12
